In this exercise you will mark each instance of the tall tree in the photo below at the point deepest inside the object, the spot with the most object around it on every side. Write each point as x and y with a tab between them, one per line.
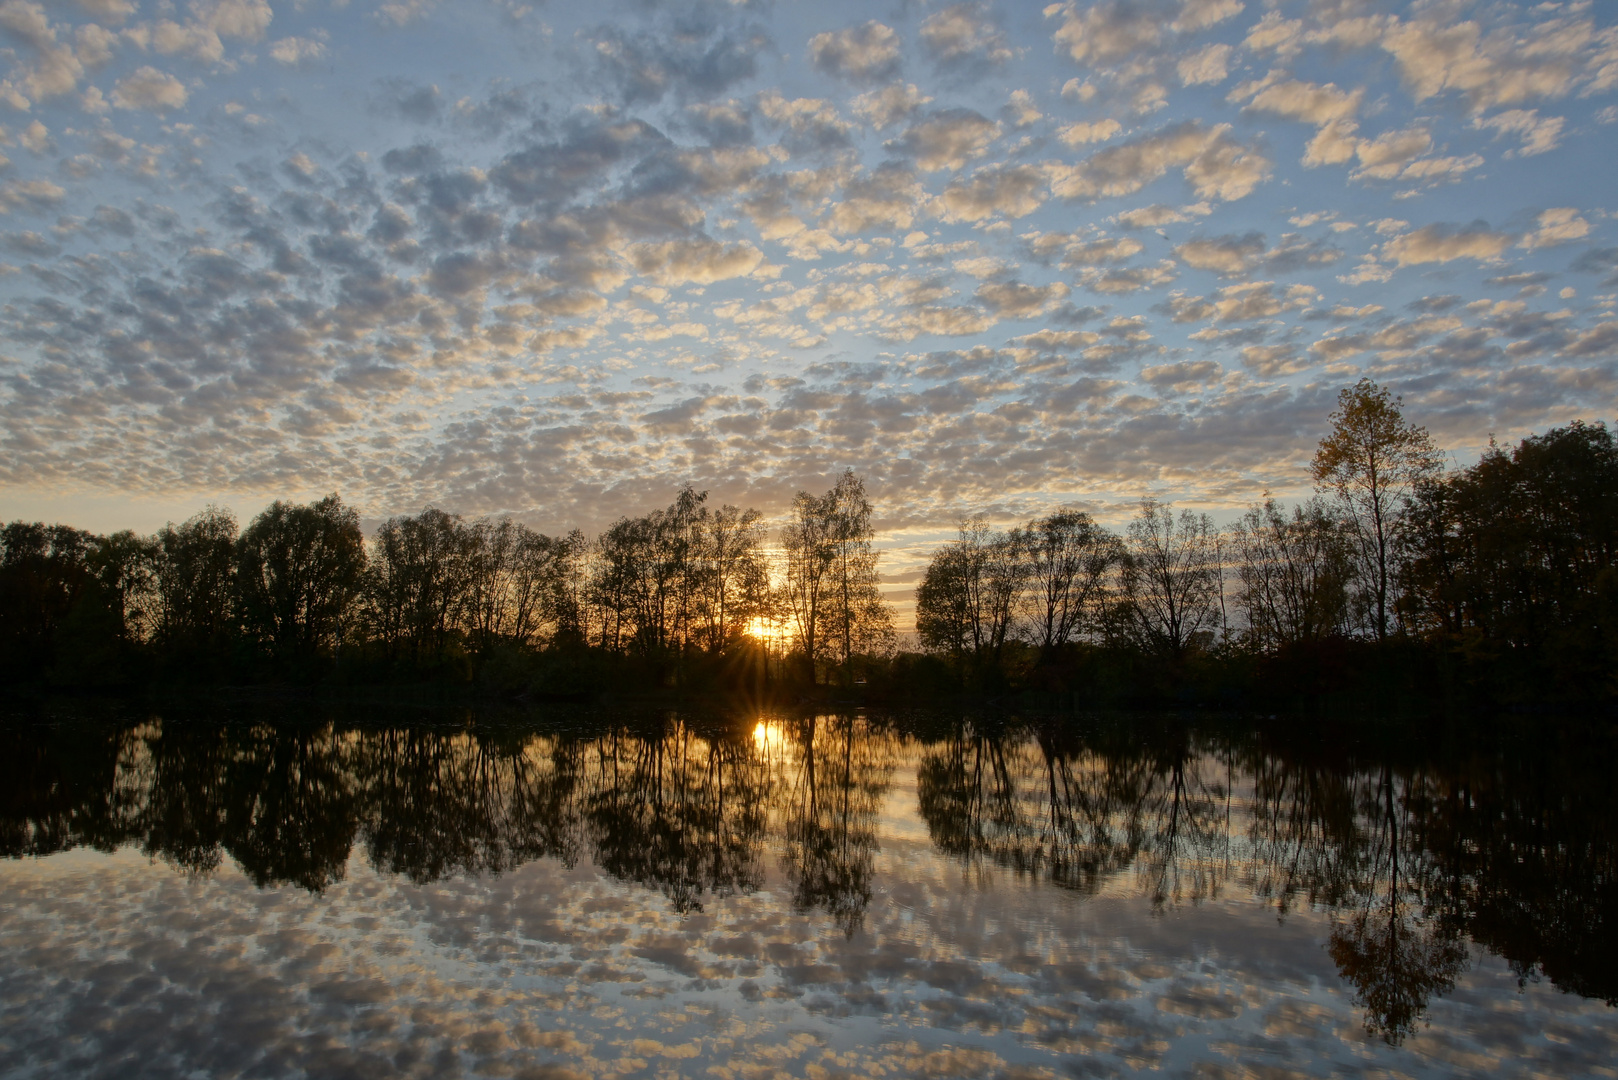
807	540
298	571
44	573
1068	557
831	578
968	598
1516	554
859	618
416	582
1372	461
734	578
196	578
1171	579
1295	573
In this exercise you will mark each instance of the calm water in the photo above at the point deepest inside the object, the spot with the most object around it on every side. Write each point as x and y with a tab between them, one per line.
294	894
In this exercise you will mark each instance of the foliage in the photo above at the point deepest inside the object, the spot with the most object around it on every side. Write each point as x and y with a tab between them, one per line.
1170	596
1512	559
1372	461
830	585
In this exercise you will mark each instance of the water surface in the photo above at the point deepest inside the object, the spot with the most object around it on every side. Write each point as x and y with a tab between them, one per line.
292	893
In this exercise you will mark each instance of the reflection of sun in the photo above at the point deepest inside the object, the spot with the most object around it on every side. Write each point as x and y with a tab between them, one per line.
764	732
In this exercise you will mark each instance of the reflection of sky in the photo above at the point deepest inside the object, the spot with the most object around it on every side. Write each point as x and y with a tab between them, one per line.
115	965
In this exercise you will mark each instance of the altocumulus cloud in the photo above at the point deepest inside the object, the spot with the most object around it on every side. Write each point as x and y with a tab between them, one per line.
555	260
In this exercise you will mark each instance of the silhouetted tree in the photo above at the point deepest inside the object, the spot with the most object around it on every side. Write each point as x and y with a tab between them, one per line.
1068	558
968	597
299	568
1295	573
44	572
1170	580
417	578
1372	461
831	578
195	618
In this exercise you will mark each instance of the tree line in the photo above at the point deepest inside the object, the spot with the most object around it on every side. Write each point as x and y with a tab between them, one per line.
301	592
1505	568
1500	573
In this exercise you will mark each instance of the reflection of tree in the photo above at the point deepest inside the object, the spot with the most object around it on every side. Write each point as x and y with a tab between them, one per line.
1395	957
1305	831
442	803
59	788
835	791
183	813
1411	853
682	813
1527	858
291	806
1184	814
1074	811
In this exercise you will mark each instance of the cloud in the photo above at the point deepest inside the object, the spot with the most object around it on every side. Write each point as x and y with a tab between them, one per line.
48	66
1014	300
1208	65
1385	157
326	299
1538	135
1443	243
30	195
1157	215
1215	164
861	54
1488	71
694	261
947	139
1182	378
1273	361
1118	281
964	36
1009	191
1095	131
1227	255
402	13
889	105
293	51
1560	225
1115	30
694	59
886	198
813	124
148	88
1296	100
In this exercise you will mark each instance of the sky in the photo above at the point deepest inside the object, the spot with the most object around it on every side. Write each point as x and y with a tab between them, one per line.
556	260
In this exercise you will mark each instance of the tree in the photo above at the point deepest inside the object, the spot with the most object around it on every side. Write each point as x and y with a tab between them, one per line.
1373	461
1515	554
734	579
1295	573
298	570
513	584
196	579
44	573
968	597
1171	579
810	548
415	583
831	578
1068	557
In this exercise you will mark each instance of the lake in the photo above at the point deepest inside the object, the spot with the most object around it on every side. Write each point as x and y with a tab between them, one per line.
295	889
